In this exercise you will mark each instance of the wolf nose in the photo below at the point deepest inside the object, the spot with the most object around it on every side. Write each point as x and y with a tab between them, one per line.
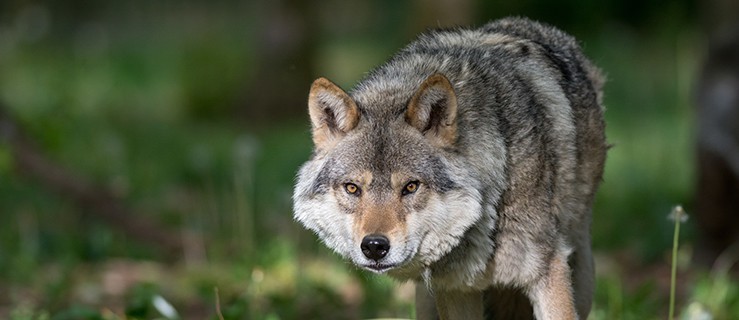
375	246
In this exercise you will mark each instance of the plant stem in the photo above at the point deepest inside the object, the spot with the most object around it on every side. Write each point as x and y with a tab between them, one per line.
218	304
677	215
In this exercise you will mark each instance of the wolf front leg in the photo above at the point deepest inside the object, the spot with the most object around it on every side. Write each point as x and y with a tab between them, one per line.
453	305
425	304
552	296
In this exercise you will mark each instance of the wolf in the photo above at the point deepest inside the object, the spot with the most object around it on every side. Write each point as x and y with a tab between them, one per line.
467	163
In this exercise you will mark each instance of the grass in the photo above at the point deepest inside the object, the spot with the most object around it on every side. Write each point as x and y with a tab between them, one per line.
131	114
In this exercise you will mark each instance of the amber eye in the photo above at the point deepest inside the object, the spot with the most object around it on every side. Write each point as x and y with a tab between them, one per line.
351	188
411	187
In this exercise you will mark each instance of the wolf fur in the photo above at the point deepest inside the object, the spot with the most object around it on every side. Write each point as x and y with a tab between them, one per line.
467	163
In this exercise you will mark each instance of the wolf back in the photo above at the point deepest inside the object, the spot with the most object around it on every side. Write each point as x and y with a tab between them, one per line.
499	131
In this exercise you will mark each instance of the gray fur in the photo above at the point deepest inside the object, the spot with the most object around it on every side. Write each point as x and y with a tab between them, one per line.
501	204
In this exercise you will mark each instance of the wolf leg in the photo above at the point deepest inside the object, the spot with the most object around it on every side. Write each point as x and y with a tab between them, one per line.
507	303
453	305
425	305
551	296
583	275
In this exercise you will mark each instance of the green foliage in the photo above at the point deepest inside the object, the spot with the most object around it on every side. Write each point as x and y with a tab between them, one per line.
714	293
138	304
613	301
26	313
650	124
77	312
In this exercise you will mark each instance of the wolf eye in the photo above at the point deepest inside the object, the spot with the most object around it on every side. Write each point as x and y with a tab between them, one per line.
351	188
411	187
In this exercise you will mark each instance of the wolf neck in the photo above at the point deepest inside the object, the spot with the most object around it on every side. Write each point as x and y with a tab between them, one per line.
466	265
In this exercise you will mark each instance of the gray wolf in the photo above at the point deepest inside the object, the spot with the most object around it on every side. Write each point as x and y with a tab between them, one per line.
467	163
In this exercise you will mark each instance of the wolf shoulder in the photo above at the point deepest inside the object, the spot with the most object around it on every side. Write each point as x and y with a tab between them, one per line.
507	41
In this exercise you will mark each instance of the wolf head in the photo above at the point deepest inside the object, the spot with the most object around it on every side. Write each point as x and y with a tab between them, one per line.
385	186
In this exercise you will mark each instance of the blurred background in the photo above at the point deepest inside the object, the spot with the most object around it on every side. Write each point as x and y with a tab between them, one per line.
148	151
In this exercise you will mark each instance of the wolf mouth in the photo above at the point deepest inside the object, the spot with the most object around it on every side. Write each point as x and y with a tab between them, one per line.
378	267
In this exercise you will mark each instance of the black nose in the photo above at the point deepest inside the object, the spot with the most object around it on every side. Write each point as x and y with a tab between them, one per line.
375	246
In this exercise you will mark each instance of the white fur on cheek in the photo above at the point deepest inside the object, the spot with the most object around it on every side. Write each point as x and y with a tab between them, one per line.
321	214
331	225
443	223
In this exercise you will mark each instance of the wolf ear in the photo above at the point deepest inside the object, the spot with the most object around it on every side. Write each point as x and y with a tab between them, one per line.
433	111
332	112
